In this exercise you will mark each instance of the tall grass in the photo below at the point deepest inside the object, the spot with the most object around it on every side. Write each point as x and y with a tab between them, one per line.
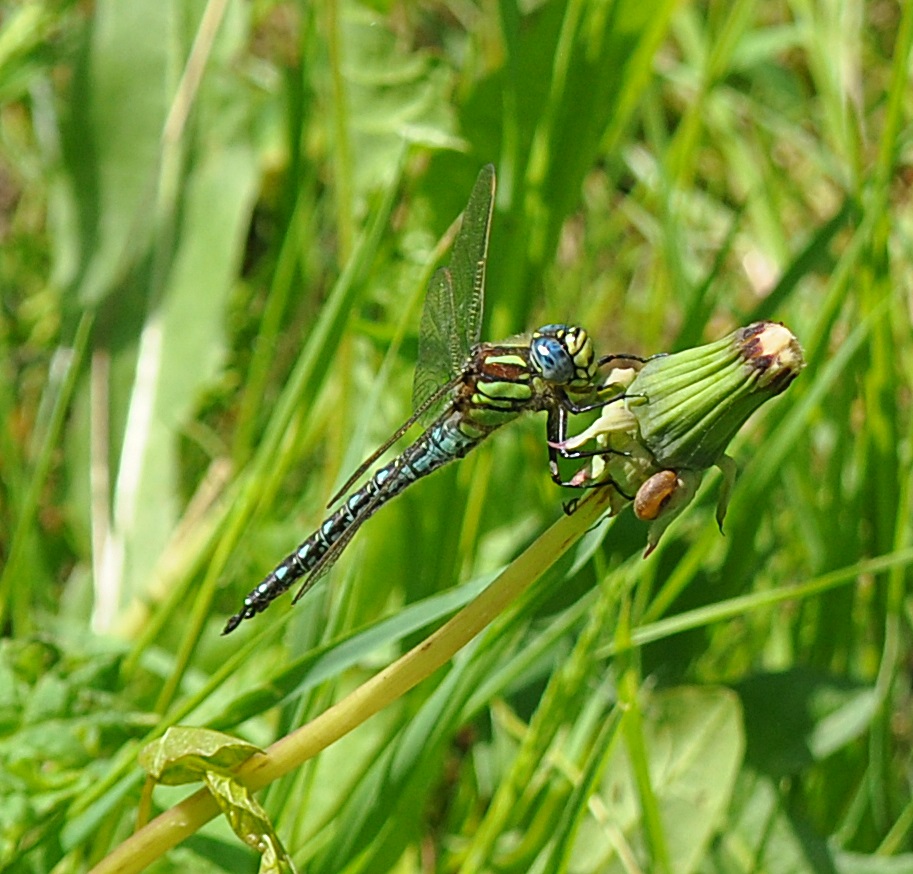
218	223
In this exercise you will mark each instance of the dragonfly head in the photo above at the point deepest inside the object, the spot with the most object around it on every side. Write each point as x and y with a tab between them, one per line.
563	354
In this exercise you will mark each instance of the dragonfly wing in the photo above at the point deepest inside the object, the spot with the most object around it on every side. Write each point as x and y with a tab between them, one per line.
433	401
467	264
434	366
452	316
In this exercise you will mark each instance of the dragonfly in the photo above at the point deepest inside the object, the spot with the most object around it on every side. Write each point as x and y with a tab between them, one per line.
463	390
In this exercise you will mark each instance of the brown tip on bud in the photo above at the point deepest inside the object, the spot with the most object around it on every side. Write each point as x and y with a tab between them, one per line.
690	404
774	353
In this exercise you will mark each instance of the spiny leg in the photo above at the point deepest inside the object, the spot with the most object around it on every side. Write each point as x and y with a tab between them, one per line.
606	359
556	428
570	506
557	435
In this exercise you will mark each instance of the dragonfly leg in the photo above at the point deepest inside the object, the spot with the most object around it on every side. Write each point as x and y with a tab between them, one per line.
570	407
572	503
606	359
557	434
590	453
570	507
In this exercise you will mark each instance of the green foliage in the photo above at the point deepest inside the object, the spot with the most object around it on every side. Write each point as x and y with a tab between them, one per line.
218	223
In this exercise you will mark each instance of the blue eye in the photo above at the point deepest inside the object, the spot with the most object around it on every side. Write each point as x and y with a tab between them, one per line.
552	360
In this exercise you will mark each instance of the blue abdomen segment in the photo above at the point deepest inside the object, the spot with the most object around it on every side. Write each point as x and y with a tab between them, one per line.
443	442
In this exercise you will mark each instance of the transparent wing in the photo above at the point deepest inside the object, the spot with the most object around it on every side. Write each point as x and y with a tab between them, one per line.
433	400
467	264
434	366
452	315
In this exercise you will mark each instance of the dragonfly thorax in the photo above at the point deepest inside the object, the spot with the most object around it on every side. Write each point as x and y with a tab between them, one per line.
563	355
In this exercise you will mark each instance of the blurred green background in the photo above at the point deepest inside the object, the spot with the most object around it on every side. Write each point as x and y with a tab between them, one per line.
217	223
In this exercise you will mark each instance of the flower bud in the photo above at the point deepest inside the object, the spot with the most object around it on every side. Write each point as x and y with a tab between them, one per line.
676	417
689	405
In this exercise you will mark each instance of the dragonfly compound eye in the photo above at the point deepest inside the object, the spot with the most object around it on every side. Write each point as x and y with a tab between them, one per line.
551	358
578	346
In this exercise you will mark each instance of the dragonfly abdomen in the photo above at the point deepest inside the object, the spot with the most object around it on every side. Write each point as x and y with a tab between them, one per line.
443	442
